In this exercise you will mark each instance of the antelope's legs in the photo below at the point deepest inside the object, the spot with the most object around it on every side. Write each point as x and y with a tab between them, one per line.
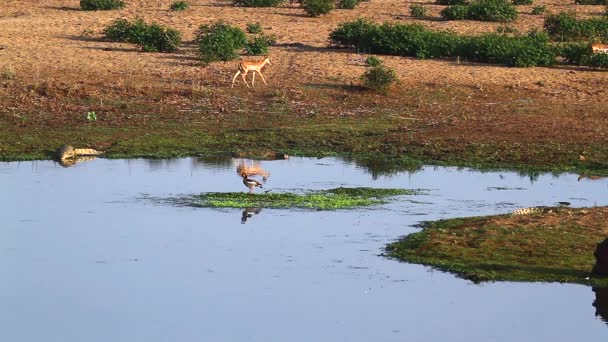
253	79
234	78
262	77
244	80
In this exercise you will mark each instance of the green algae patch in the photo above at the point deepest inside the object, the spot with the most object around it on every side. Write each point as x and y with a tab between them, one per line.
332	199
557	246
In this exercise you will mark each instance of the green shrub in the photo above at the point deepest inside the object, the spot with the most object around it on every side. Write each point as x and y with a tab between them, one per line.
151	38
455	12
492	10
347	4
378	78
537	10
418	41
257	3
118	31
591	2
254	28
350	34
258	45
179	6
574	53
452	2
522	2
315	8
482	10
506	30
520	51
565	27
373	61
94	5
417	11
597	60
220	41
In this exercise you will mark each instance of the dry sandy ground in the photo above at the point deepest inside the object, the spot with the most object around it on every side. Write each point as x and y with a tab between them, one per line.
48	39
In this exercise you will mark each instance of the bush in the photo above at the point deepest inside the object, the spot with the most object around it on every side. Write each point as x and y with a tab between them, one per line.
179	6
315	8
591	2
373	61
254	28
522	2
537	10
597	60
455	12
151	38
416	40
347	4
350	34
417	11
452	2
565	27
94	5
258	45
482	10
220	41
492	10
520	51
378	78
257	3
118	31
574	53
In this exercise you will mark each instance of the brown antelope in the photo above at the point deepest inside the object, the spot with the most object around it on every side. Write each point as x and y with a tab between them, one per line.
599	48
255	66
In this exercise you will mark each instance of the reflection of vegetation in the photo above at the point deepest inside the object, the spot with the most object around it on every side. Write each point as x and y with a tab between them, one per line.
556	246
339	198
378	167
214	161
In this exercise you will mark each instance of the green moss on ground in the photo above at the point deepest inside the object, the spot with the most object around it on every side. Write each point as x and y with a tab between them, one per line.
552	247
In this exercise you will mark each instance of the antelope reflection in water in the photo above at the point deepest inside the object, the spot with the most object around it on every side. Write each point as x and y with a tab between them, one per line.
248	213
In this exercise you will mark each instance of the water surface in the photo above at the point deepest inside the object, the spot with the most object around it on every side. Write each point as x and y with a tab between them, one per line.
84	256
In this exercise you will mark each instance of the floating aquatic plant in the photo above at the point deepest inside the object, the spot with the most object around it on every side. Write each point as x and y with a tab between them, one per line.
338	198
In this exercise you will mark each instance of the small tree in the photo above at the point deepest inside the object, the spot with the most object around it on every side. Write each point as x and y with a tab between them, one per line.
103	5
378	78
315	8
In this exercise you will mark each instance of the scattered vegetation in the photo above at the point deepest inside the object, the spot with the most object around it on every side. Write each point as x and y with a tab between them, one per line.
257	3
538	10
258	45
101	5
522	2
179	6
315	8
418	11
482	10
150	37
451	2
347	4
254	28
339	198
418	41
566	27
373	61
378	78
591	2
220	41
557	246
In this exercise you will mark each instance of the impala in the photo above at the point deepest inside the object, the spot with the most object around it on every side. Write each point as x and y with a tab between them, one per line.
599	48
255	66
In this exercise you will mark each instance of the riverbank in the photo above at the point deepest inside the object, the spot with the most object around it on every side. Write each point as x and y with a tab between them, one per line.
556	246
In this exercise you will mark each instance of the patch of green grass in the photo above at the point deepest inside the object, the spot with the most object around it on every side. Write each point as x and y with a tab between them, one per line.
519	248
332	199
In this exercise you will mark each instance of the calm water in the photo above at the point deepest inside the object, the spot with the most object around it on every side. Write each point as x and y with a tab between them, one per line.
84	256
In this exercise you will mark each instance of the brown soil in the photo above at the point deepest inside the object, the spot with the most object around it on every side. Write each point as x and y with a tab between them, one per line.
54	67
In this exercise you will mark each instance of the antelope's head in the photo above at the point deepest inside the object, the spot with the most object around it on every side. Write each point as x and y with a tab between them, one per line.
267	59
